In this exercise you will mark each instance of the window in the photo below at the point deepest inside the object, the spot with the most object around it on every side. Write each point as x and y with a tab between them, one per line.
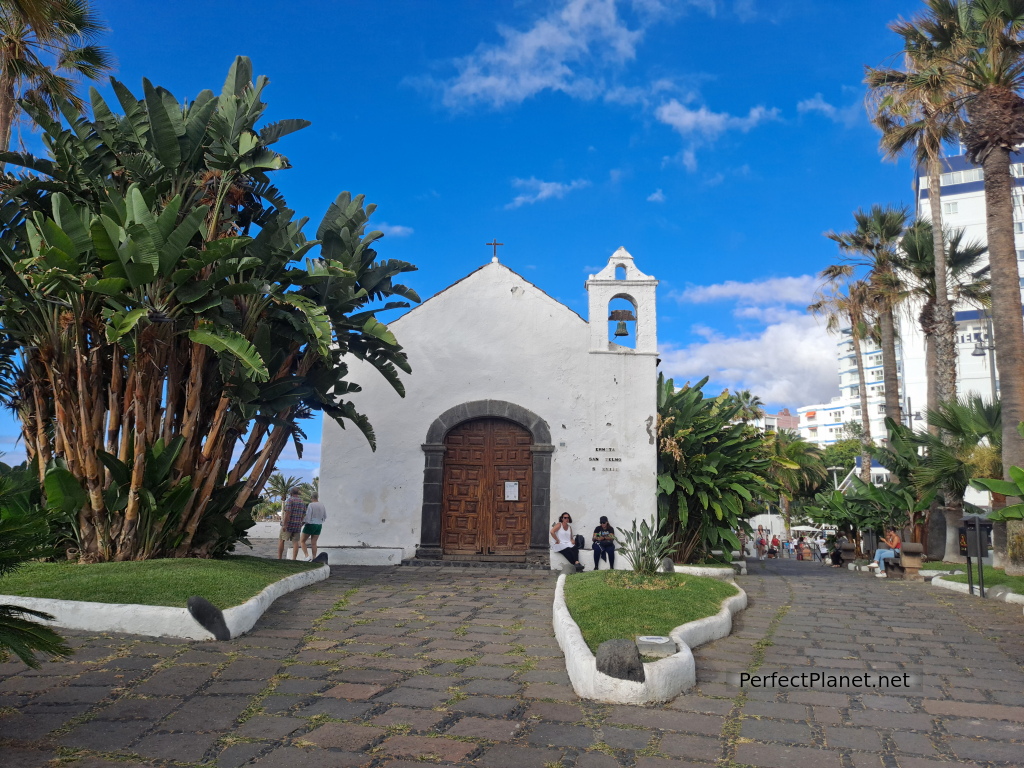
1018	227
1020	255
881	407
949	208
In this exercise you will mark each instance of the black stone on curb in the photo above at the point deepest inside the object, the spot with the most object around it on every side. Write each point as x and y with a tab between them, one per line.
209	617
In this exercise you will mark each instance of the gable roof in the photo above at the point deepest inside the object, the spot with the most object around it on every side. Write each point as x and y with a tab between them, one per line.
480	269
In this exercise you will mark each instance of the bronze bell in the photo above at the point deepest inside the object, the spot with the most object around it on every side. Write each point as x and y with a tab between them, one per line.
622	315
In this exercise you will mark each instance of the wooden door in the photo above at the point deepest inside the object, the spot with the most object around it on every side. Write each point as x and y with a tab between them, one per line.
481	456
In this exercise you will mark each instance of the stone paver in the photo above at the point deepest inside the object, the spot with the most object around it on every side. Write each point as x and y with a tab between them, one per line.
396	667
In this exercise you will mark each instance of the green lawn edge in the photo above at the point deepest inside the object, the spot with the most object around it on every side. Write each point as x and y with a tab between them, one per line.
604	612
225	582
993	577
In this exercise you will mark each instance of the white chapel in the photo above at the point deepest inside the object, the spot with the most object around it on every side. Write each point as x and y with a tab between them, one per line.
517	410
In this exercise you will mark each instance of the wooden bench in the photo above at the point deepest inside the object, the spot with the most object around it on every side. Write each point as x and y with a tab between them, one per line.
909	566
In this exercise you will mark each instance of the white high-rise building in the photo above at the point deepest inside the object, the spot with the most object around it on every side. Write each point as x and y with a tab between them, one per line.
963	207
824	423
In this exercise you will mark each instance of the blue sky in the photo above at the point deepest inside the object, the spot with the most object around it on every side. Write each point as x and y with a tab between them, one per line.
715	139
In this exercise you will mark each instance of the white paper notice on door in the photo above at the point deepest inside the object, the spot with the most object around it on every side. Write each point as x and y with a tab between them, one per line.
512	491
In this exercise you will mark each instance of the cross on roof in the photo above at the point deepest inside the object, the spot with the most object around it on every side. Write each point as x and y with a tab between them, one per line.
495	244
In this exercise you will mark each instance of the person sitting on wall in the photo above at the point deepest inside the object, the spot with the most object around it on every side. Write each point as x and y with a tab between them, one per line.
773	548
604	544
564	542
893	542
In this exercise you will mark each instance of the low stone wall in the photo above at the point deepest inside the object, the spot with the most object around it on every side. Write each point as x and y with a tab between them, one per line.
665	678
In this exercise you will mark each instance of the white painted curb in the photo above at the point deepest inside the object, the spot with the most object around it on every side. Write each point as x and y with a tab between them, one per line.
665	678
158	620
954	586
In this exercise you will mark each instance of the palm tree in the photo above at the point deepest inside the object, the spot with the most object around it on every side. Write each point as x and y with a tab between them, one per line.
908	107
965	280
751	407
971	448
982	43
850	309
796	465
44	48
279	486
872	244
310	489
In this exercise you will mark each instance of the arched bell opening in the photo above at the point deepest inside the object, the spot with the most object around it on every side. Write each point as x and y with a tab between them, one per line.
622	321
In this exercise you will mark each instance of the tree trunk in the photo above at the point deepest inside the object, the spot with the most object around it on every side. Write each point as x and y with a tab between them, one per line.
930	363
8	111
1014	563
1006	303
865	417
890	376
944	371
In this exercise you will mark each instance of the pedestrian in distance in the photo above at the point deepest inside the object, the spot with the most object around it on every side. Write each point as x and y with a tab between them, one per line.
292	515
761	542
312	524
604	544
564	542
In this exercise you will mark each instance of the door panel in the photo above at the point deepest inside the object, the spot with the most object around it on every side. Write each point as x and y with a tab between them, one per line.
480	457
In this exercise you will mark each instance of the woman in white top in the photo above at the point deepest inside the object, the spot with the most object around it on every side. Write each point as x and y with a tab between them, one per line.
316	514
564	542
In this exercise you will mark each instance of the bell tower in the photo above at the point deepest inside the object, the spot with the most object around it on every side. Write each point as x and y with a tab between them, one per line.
611	291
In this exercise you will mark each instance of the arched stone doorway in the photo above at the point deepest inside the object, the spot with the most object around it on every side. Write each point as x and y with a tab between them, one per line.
471	452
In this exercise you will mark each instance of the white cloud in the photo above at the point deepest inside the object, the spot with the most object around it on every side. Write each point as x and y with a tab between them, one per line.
307	467
706	124
848	115
790	362
395	230
775	290
557	53
538	190
657	196
787	357
578	48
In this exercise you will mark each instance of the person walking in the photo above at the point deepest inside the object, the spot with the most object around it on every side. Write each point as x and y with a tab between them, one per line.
762	543
604	544
312	524
292	515
564	542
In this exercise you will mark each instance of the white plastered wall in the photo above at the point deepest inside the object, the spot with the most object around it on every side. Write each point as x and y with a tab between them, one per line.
493	336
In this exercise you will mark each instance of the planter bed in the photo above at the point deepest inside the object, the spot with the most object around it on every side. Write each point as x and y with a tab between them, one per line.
665	679
119	600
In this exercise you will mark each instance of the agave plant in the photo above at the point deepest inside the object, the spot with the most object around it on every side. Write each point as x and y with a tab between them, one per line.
646	547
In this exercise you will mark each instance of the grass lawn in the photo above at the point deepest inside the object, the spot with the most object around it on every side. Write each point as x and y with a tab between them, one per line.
621	604
993	577
226	582
941	566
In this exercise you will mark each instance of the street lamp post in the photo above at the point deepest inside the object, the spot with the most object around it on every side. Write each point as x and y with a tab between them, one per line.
981	348
835	477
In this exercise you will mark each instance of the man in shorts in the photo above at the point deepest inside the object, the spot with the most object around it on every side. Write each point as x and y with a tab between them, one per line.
292	515
316	514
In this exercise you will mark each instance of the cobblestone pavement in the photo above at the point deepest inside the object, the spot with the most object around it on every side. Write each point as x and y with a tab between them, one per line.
400	666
